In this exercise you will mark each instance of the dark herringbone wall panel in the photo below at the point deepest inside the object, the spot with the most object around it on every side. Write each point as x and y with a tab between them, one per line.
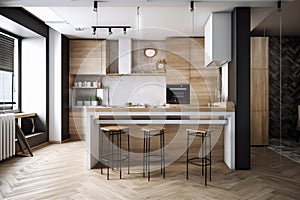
290	85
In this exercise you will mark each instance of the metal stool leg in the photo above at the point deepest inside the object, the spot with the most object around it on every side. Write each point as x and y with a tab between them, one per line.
210	158
148	157
108	157
187	155
120	152
101	152
161	152
128	153
112	150
205	160
202	156
144	154
163	147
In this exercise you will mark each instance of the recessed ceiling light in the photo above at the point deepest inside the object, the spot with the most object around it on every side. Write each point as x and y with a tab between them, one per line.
79	29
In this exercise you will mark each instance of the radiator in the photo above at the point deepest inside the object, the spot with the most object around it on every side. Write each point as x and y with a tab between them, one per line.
7	136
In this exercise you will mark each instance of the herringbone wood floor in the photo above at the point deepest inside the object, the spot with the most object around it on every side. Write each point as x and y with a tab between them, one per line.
58	171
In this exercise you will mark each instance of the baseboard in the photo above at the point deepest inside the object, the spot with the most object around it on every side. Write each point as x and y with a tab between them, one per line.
55	142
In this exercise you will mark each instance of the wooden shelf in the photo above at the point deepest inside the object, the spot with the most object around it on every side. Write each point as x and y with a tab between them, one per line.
137	74
86	87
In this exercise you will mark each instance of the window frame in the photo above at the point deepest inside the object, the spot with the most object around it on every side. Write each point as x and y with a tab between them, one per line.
18	67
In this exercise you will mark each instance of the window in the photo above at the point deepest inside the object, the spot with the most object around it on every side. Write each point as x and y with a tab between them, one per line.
8	72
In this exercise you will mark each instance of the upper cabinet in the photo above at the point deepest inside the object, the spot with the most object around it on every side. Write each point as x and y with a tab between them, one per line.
88	57
218	39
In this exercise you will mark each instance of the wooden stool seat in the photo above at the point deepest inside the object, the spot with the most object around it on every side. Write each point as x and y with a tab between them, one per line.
114	128
153	130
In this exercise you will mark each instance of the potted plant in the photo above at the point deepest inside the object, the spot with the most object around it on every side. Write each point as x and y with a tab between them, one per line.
79	100
99	99
87	101
94	101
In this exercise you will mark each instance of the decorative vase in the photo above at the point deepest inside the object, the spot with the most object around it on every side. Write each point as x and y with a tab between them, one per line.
79	103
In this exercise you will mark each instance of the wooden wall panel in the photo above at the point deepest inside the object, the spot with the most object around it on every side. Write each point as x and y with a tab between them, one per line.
185	61
197	53
88	56
259	128
259	91
174	76
260	50
200	94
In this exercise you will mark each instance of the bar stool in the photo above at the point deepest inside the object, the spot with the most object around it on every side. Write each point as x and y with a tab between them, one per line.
109	157
205	160
149	132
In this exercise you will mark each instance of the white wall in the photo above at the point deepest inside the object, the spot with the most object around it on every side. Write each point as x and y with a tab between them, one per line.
224	82
135	89
55	86
34	76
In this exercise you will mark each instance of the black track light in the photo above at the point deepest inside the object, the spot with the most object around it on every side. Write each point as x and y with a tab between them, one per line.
95	6
192	8
279	6
124	28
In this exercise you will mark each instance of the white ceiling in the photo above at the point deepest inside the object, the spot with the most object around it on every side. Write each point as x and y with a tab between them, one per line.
158	19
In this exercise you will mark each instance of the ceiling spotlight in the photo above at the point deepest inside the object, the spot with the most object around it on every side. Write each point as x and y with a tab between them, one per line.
109	31
95	6
279	6
124	31
79	29
192	6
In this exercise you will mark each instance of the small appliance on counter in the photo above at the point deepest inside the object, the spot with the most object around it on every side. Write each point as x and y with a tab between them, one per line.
178	93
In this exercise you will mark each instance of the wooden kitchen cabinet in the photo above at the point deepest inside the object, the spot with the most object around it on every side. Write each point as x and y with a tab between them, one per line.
87	62
259	119
88	57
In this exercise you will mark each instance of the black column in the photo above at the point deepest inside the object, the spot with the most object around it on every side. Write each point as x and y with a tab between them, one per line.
239	84
65	87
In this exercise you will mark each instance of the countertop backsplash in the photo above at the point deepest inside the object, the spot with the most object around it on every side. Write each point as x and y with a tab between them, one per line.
138	90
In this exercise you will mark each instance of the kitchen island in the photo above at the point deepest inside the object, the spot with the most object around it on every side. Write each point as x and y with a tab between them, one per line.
184	116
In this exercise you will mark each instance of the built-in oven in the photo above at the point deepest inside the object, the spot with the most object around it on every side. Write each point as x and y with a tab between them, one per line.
178	93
